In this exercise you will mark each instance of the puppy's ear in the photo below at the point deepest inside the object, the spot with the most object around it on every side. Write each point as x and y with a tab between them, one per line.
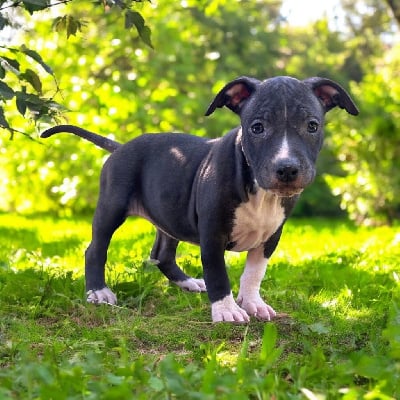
234	94
331	94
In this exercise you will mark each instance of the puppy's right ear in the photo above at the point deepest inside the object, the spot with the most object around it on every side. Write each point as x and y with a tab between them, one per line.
234	94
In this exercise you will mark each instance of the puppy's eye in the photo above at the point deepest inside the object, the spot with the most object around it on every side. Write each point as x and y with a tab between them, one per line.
312	126
257	128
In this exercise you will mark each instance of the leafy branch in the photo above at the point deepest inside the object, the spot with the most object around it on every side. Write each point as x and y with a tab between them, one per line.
33	5
25	100
29	95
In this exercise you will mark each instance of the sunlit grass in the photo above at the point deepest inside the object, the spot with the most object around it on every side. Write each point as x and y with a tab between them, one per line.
334	285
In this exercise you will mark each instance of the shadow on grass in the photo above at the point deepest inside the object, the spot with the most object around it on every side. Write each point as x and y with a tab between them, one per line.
28	240
19	237
34	289
61	247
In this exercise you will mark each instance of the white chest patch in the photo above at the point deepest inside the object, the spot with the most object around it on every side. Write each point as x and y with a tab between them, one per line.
256	220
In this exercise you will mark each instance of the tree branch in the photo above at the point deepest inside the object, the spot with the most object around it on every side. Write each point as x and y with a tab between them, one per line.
16	4
395	6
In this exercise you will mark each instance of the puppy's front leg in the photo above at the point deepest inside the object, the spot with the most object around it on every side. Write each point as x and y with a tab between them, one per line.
249	294
223	305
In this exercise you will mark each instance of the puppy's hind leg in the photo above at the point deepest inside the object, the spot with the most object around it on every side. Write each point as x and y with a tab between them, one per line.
164	252
109	215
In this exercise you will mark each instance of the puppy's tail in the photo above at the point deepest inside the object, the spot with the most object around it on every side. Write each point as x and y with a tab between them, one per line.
101	141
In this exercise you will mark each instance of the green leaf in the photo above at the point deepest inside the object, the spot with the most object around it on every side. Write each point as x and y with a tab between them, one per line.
269	353
156	384
54	106
35	5
32	102
72	25
39	106
145	35
3	121
319	327
269	340
59	24
392	331
133	18
36	56
2	72
21	104
5	91
67	23
33	78
3	22
370	367
29	97
11	65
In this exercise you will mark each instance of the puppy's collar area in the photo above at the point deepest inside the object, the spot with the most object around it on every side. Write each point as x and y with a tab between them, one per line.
240	142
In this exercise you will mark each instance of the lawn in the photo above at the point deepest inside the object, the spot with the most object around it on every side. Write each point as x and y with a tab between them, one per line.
337	336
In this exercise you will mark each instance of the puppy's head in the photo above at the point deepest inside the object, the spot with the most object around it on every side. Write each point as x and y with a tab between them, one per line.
282	122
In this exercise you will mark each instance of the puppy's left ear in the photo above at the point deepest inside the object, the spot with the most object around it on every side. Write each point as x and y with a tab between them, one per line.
331	94
234	94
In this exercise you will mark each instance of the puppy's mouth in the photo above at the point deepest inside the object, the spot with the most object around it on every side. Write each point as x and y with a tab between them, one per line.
286	191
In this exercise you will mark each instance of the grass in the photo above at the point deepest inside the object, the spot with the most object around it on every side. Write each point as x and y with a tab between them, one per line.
337	288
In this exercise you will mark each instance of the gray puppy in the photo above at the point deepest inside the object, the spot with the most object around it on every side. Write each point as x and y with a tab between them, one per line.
232	193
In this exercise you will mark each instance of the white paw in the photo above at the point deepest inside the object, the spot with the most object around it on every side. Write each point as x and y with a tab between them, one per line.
192	285
227	310
102	296
255	306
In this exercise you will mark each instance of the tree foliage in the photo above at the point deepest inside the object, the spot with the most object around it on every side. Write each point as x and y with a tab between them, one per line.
369	153
20	83
99	61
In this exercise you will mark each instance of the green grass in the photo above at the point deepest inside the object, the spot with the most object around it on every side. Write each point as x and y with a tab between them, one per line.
335	286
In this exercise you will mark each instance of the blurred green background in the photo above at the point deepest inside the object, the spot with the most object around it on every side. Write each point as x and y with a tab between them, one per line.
115	84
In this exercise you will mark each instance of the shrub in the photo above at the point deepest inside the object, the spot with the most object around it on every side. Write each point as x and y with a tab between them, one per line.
369	147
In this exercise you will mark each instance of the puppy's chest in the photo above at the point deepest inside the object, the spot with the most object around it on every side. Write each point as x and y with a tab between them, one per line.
256	221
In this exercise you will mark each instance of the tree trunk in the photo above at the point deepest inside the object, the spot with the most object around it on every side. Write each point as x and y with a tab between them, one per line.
395	6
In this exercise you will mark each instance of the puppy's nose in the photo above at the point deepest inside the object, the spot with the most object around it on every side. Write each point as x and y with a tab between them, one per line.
287	171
